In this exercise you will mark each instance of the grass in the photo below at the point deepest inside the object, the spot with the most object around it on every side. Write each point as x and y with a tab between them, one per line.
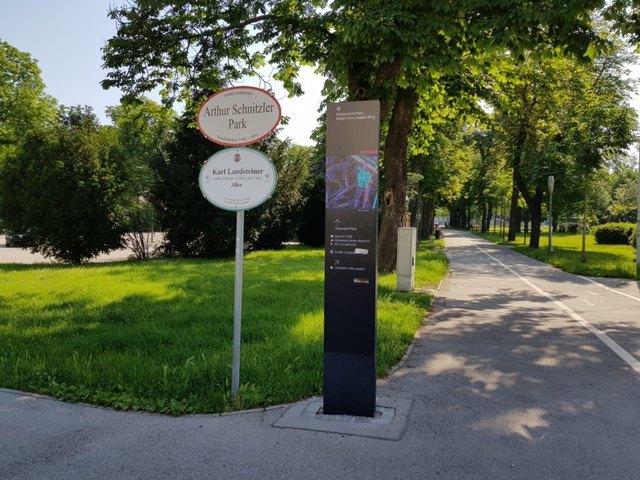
156	336
602	260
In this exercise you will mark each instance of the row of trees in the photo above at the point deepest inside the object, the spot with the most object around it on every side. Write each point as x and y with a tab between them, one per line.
410	55
552	115
75	188
555	116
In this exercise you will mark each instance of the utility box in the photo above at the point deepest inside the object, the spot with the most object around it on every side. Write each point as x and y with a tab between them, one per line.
406	261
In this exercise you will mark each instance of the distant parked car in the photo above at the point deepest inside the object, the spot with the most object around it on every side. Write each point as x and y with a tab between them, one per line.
13	239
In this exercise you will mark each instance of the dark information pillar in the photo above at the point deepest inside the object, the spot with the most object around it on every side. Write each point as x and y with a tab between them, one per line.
351	272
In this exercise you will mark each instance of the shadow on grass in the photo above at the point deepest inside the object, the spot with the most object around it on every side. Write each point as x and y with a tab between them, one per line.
157	335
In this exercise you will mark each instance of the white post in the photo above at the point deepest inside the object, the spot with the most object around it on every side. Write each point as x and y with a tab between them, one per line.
237	304
550	184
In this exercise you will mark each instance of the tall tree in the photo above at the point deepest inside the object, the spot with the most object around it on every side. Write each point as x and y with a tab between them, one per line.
143	129
196	228
62	188
564	118
23	103
368	49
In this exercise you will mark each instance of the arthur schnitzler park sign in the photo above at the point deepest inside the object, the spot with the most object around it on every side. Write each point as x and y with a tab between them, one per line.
238	116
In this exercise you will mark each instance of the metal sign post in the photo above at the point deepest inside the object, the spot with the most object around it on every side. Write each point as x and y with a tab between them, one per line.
238	179
237	303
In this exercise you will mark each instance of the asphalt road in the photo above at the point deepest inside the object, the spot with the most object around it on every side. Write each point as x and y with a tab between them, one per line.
521	372
24	256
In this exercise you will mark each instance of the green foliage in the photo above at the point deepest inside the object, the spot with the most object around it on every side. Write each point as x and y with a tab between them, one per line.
23	104
633	239
311	223
560	116
22	99
156	336
184	47
311	229
391	51
190	223
62	188
618	191
276	220
614	233
194	227
143	129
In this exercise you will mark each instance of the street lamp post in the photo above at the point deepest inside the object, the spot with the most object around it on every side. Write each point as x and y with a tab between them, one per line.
550	184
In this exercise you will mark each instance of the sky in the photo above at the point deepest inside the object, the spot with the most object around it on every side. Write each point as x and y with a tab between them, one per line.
66	38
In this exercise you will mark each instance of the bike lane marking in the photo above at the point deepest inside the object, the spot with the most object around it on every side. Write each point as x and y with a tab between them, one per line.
603	337
637	299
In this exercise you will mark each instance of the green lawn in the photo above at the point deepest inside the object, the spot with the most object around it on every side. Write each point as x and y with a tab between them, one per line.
602	260
157	335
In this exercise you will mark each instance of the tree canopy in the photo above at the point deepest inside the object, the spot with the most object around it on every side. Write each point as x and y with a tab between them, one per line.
392	51
23	103
62	188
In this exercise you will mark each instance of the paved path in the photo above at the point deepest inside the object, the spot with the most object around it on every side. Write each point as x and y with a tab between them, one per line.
513	377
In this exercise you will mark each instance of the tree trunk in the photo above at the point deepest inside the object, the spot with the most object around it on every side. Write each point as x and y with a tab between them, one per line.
518	184
415	204
490	217
454	219
513	213
536	218
583	253
495	221
395	176
427	219
386	85
483	213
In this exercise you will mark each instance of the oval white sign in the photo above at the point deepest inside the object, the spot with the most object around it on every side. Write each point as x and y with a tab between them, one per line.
238	179
238	116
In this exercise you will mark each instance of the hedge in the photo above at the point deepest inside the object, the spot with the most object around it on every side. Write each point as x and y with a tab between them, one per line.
614	233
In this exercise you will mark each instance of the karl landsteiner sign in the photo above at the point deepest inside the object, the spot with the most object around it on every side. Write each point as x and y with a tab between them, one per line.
238	179
238	116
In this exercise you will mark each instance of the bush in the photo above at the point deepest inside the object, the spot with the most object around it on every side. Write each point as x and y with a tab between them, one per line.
63	188
634	239
194	227
614	233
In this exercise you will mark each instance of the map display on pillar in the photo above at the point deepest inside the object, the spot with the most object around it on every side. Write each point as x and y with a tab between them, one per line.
352	191
352	181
